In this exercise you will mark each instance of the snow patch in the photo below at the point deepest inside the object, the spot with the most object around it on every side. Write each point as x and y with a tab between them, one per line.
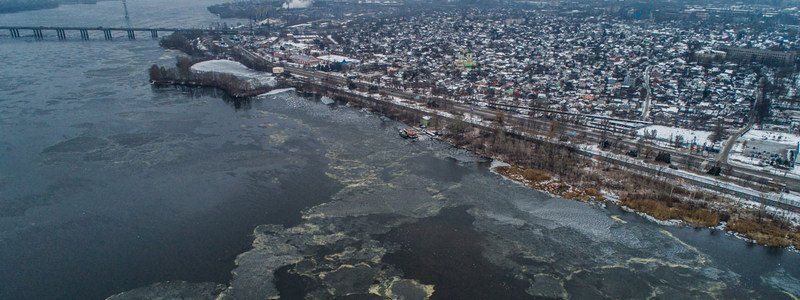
277	91
772	136
496	163
338	58
297	4
223	66
668	133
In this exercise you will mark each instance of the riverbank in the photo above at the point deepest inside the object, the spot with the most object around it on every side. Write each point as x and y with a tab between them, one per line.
560	171
749	223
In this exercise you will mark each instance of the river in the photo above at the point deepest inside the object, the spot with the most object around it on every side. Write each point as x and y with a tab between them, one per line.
109	185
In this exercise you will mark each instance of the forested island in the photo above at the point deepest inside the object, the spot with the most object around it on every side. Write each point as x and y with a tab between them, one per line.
248	10
11	6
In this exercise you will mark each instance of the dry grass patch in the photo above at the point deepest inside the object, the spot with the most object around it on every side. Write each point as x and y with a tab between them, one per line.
544	181
665	207
767	232
584	194
534	175
530	176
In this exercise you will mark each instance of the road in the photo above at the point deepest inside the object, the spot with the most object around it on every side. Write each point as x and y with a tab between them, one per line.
726	149
649	99
723	155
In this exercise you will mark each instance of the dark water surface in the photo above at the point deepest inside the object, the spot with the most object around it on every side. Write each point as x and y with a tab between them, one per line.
107	184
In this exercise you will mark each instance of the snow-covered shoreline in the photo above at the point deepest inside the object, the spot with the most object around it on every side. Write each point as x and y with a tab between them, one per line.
276	92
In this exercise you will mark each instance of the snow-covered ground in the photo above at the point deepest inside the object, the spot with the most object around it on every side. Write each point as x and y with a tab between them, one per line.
338	58
772	136
758	164
668	133
779	138
222	66
749	162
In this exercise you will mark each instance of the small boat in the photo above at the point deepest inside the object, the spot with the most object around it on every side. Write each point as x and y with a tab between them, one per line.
326	100
408	133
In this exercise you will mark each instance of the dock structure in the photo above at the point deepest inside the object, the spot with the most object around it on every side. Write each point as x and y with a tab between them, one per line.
108	32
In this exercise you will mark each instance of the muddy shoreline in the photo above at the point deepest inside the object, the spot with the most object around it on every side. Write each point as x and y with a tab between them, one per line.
754	226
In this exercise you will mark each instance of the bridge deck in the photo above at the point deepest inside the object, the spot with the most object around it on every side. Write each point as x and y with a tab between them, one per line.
101	28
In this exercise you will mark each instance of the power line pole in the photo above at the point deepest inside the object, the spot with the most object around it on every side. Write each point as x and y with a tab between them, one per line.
127	17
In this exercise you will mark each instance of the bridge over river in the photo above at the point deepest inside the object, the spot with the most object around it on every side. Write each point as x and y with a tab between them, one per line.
107	32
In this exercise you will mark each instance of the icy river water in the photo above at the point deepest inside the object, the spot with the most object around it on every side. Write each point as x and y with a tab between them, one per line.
108	185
